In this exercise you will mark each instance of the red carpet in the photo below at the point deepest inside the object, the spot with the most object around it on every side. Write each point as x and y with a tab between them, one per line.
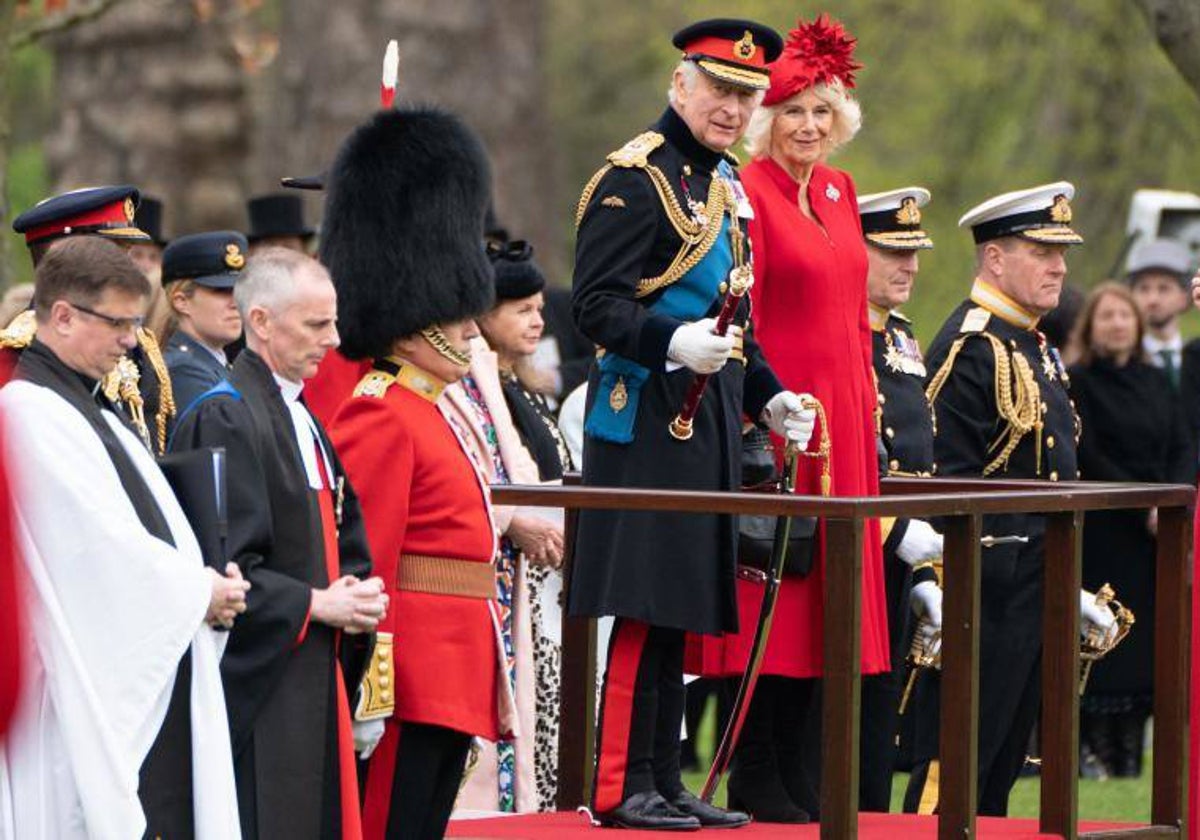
567	826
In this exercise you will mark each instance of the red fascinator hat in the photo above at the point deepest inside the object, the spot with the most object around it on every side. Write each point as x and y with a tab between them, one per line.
814	53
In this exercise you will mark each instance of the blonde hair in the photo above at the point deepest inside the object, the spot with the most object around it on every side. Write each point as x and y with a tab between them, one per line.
847	119
167	324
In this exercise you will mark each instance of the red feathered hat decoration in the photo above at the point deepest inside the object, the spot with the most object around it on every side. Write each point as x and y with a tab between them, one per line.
814	53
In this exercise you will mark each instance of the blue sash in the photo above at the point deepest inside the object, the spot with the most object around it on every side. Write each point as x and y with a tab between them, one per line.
614	410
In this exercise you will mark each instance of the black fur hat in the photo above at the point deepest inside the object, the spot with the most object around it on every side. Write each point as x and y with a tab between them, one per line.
403	228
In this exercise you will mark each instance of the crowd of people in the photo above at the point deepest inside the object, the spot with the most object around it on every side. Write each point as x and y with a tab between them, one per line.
267	592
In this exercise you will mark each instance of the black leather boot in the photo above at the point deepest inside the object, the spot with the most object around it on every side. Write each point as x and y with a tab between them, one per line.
710	816
648	811
755	783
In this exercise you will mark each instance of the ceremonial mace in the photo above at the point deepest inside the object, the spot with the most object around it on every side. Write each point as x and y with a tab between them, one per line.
766	614
741	278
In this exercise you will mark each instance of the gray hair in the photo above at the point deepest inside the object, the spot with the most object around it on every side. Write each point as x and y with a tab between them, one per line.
269	280
691	75
847	119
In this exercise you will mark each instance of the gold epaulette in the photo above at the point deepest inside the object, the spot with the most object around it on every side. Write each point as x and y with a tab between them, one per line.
697	229
374	384
637	151
633	155
19	332
1018	397
377	690
166	395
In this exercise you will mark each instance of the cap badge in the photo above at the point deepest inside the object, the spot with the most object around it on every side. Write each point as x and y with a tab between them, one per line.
129	208
1060	212
233	256
909	213
744	49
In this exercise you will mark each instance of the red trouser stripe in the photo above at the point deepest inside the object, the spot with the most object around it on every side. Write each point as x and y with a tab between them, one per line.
347	771
617	714
381	774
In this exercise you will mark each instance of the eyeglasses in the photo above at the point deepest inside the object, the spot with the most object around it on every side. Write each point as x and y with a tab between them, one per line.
516	250
119	324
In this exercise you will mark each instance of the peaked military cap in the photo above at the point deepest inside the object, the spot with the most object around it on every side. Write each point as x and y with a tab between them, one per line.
279	214
105	211
214	259
731	50
1040	214
893	219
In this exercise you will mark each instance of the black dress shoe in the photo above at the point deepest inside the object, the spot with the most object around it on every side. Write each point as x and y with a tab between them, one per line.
710	816
648	811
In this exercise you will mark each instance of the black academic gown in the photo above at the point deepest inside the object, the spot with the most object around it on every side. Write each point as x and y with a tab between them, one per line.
667	569
1133	430
165	779
278	668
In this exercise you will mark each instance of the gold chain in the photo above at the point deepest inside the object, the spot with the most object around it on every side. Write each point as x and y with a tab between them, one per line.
445	349
166	395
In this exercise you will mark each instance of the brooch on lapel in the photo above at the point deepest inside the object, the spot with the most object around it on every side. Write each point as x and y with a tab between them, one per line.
832	192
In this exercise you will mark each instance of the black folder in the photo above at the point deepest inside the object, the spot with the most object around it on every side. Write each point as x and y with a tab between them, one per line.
198	478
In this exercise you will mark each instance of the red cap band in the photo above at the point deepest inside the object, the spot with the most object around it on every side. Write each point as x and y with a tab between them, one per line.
742	51
112	215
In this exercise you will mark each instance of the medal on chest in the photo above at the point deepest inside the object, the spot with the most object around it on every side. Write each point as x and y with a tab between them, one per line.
903	354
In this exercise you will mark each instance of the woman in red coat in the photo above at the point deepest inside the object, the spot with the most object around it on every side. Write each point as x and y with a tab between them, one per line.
810	316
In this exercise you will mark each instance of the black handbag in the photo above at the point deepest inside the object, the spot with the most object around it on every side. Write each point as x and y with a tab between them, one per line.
756	532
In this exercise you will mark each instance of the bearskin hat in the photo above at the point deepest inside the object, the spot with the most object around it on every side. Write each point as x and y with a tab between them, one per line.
403	228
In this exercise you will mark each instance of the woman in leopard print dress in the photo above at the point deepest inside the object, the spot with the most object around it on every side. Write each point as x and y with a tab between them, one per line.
512	329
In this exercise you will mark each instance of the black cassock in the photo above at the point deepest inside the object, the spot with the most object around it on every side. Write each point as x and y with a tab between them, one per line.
279	674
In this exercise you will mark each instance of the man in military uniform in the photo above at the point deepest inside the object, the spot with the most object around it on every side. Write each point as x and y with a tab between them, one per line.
660	243
891	223
1001	408
139	384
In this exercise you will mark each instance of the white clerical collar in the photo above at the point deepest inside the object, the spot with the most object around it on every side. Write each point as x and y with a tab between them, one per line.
308	439
290	390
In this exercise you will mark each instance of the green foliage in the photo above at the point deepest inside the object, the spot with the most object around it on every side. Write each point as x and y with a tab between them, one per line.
966	99
32	95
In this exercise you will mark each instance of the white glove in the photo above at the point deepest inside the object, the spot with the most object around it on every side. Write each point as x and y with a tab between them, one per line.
920	543
787	417
367	735
1093	615
696	347
926	601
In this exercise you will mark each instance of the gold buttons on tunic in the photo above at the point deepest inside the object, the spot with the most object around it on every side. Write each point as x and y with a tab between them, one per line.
1054	475
723	288
890	432
882	399
1050	441
893	464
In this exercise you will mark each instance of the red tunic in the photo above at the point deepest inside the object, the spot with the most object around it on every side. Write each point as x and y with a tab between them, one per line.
810	318
420	495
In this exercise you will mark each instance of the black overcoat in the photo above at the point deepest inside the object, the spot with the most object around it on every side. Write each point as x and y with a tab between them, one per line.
667	569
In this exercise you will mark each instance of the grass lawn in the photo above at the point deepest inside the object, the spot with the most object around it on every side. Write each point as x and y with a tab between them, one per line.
1119	800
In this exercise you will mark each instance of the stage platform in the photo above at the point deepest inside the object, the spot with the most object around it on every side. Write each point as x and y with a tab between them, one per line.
570	826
